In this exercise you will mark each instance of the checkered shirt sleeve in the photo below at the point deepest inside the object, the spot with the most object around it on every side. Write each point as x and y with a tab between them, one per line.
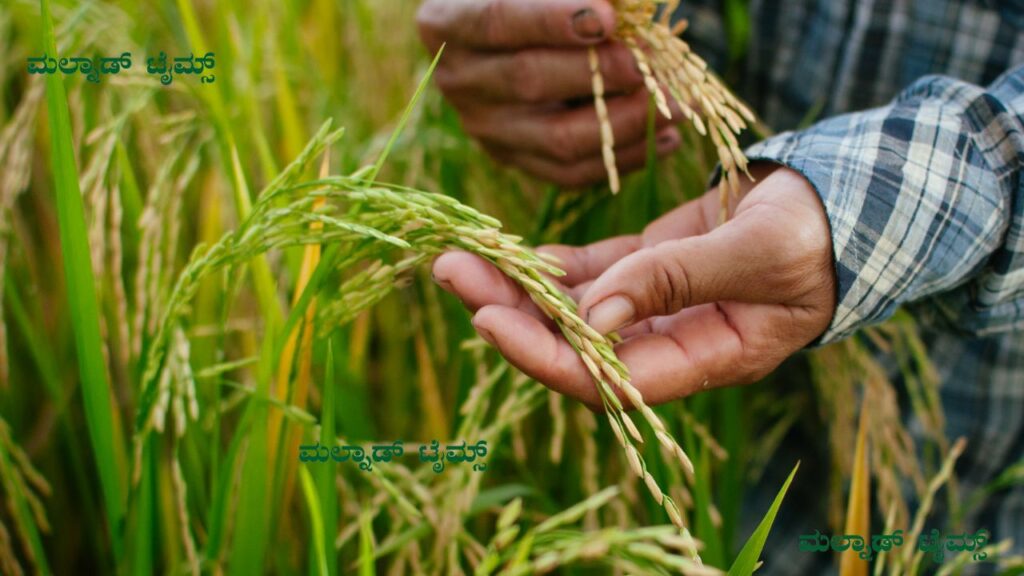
925	203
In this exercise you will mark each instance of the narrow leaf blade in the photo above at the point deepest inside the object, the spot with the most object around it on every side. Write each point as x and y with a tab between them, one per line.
101	418
747	559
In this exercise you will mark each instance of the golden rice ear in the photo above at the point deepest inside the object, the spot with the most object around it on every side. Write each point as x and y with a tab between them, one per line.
649	81
671	69
680	27
607	137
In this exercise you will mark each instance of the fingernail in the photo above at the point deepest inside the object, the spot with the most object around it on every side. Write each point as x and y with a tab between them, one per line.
667	141
486	335
611	314
587	24
446	285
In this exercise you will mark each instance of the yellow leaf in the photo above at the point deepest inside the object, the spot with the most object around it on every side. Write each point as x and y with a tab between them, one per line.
858	508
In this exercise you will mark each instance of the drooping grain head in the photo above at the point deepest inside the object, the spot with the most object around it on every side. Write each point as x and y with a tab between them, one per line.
673	73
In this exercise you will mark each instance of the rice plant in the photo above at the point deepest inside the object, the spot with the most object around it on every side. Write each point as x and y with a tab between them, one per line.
206	278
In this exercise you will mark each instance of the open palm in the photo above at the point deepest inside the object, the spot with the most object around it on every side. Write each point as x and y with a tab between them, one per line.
697	305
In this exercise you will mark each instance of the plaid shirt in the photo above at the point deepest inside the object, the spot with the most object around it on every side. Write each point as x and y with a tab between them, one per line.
917	159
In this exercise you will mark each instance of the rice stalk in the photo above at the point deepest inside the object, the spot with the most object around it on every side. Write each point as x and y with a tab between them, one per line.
435	422
8	559
426	224
16	153
158	231
911	557
115	278
956	564
22	486
299	348
557	412
883	555
846	370
607	136
548	551
326	493
703	434
587	424
96	195
366	545
443	500
180	490
671	70
648	550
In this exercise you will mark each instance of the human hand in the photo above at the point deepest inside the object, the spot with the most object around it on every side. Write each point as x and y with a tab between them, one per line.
517	72
697	306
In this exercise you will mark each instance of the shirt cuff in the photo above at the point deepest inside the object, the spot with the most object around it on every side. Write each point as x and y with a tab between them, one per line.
913	212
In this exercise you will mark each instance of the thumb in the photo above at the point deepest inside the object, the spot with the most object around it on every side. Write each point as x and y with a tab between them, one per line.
743	260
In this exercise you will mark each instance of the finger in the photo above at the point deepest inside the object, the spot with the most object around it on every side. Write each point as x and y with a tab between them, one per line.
706	351
508	24
692	218
583	263
478	283
591	170
537	351
747	259
700	216
644	326
566	135
536	75
706	347
577	292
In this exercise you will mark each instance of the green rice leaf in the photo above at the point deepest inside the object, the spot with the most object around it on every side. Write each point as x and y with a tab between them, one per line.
405	116
253	525
366	563
100	415
747	559
328	495
315	520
